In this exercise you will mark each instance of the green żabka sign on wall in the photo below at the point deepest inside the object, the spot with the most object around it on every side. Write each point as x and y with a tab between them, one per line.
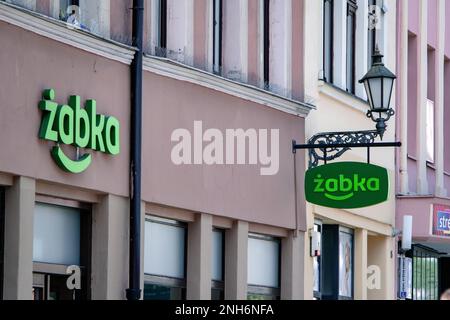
347	185
80	127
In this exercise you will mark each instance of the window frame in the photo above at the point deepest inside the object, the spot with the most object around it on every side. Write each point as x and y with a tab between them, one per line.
266	42
371	39
352	7
217	36
328	48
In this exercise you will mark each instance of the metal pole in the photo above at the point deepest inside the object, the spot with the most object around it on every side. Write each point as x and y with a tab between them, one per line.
134	290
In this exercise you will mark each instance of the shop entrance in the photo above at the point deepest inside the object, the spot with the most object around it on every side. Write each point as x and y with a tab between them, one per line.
334	269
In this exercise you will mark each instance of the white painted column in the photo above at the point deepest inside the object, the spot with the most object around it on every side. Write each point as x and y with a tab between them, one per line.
360	264
96	15
235	39
339	47
361	59
280	75
180	31
18	258
55	8
422	83
199	257
404	180
439	103
236	253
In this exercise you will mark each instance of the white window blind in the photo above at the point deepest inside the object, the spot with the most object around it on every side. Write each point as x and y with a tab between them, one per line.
164	250
263	262
56	237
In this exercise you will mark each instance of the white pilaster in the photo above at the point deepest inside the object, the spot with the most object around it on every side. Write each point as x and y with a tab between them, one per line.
235	39
281	46
180	30
404	180
340	39
422	83
362	27
96	15
439	103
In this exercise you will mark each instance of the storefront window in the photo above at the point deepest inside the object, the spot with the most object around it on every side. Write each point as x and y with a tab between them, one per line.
345	263
317	266
263	283
218	244
165	259
61	238
336	263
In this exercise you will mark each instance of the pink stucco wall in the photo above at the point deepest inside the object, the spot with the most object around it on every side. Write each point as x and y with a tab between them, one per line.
420	207
235	191
29	64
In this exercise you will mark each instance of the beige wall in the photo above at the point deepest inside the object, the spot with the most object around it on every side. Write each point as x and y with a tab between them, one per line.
222	190
340	111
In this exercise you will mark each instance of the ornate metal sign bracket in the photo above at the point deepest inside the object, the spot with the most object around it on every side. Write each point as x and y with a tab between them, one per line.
332	145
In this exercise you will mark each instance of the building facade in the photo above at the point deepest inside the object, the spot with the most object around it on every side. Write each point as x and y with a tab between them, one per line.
423	161
358	244
227	85
221	188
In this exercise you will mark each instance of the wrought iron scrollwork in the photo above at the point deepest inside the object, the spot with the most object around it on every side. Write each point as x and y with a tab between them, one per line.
332	138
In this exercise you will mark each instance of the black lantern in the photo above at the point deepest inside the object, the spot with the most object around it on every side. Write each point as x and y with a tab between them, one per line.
379	82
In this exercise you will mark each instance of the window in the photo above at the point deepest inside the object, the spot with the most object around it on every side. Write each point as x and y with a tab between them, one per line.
328	40
266	26
217	36
165	259
263	283
351	50
317	266
430	131
61	238
161	27
2	237
345	263
372	32
336	263
217	269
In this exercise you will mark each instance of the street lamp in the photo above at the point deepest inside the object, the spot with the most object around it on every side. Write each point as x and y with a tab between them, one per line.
379	82
327	146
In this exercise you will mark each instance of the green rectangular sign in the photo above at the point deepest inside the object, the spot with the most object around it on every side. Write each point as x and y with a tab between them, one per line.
347	185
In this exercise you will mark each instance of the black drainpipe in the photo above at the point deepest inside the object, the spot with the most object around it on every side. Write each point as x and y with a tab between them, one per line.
134	290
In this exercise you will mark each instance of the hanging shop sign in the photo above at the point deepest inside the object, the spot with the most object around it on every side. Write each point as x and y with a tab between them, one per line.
79	127
441	221
347	185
